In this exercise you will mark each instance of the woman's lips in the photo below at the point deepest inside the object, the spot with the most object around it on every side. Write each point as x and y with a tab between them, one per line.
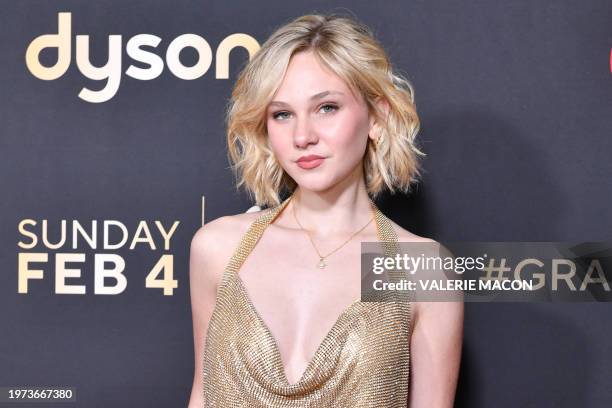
310	164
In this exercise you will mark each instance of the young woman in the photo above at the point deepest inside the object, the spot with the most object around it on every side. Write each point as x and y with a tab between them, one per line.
318	115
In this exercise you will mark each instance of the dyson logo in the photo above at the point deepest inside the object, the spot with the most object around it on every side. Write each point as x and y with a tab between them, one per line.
111	72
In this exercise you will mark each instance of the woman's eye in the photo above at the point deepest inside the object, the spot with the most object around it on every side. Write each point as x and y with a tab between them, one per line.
277	114
333	107
329	108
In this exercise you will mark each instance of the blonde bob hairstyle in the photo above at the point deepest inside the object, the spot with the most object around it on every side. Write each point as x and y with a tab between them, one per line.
347	48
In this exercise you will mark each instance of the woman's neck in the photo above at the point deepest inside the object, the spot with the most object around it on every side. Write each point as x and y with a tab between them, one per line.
330	214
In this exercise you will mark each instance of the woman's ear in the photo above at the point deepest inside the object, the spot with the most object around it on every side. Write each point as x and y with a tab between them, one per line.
383	106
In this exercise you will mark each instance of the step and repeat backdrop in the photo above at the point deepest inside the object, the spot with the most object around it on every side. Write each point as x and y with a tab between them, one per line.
112	137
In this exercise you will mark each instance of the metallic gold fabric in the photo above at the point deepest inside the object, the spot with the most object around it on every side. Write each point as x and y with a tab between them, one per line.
363	360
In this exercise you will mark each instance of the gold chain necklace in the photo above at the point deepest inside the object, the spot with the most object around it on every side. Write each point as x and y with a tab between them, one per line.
322	263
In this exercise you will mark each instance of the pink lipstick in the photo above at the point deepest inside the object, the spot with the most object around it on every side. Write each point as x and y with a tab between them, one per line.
310	162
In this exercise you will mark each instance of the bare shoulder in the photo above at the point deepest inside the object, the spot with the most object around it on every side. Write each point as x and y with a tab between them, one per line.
223	230
403	235
213	244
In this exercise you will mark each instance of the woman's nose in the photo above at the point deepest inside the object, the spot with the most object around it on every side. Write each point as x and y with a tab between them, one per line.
304	134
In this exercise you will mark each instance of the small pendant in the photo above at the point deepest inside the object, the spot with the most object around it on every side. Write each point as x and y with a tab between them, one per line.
321	264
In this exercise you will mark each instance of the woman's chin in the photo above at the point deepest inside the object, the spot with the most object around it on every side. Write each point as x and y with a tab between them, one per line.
314	186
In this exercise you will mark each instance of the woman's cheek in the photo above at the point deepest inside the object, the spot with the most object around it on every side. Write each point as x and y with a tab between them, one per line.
274	141
281	151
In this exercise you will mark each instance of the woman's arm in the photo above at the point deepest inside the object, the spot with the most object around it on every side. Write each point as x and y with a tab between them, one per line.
203	281
435	354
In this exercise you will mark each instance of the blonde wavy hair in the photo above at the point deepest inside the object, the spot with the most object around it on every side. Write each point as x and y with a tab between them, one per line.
348	48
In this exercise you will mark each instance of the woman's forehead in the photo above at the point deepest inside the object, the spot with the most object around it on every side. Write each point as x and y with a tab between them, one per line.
306	79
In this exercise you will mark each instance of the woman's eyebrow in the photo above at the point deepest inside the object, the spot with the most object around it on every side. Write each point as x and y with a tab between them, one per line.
315	96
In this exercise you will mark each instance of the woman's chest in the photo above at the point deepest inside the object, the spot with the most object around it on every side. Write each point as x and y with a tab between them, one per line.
298	302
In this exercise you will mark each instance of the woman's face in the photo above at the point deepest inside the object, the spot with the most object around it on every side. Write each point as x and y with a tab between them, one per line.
314	113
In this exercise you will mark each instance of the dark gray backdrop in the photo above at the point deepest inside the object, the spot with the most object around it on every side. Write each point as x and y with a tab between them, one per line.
515	101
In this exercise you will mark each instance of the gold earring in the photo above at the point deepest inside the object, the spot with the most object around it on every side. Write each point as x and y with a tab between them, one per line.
378	141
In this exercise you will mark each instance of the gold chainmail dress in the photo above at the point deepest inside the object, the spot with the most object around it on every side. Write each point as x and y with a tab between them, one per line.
363	361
